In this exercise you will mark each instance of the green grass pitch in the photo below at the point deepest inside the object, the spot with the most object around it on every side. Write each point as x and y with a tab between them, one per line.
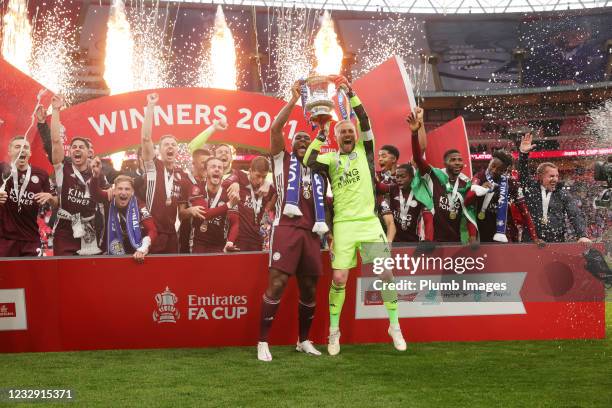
569	373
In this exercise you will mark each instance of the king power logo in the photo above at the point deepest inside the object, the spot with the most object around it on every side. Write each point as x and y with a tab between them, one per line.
208	307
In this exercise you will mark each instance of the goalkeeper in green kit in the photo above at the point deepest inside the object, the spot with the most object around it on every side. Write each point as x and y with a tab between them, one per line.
356	224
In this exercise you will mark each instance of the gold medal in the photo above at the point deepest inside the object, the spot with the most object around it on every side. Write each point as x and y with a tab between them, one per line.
545	220
452	215
481	215
204	226
306	191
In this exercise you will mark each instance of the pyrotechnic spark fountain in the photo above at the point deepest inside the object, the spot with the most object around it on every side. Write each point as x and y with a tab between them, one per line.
291	49
52	63
327	50
219	66
17	36
119	58
151	52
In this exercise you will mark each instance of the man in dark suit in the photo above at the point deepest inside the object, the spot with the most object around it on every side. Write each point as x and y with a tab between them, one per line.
548	205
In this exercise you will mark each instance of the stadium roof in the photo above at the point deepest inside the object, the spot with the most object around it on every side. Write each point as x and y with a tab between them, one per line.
425	6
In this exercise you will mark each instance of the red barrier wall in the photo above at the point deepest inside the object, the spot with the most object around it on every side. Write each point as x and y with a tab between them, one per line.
110	303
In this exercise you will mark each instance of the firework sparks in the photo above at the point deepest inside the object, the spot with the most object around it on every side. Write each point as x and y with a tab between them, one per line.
327	50
150	55
136	48
291	50
395	34
119	58
17	38
54	44
219	66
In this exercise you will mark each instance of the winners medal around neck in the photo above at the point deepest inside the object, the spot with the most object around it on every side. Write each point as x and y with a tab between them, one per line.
306	190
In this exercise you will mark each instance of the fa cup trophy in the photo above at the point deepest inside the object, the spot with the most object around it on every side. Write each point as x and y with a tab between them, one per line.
317	100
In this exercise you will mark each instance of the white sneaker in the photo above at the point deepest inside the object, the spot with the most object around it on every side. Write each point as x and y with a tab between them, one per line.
398	339
307	347
263	351
333	345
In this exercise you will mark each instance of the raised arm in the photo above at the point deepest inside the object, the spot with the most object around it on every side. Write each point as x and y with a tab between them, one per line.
523	162
415	120
57	147
200	140
43	130
422	137
277	141
313	158
148	150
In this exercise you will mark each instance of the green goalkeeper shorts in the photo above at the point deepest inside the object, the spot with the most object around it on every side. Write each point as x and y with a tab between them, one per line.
365	235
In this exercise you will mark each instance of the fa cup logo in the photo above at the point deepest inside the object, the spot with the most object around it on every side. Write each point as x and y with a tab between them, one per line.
166	312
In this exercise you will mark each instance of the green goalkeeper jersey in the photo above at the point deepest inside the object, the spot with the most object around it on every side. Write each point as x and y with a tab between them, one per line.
351	174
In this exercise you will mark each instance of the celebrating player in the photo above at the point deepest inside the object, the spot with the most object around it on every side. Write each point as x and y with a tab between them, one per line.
163	182
351	171
74	231
453	216
295	244
211	207
496	190
256	196
197	178
130	229
407	203
24	190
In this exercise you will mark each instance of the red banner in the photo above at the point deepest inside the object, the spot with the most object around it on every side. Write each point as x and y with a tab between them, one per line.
451	135
386	93
214	300
114	122
19	97
552	154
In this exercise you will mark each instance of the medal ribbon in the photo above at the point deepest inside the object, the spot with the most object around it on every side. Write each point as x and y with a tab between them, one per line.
216	199
20	191
406	204
256	203
452	197
79	176
169	183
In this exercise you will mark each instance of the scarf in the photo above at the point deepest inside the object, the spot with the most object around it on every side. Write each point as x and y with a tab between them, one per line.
114	240
292	201
83	228
151	177
502	211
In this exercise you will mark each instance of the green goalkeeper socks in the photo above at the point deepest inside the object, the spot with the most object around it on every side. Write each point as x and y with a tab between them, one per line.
336	300
390	300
